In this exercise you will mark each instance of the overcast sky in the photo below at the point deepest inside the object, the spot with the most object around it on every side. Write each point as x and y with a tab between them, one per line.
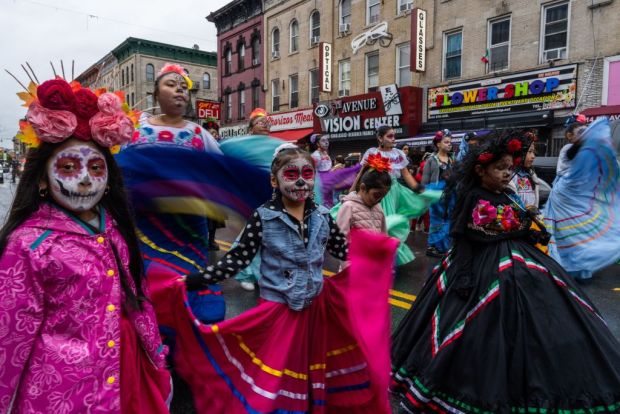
38	31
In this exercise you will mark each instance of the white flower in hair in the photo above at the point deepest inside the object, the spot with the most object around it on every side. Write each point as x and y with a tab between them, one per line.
282	147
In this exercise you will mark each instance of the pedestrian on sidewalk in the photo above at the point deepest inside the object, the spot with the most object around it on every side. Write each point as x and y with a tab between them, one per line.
500	326
77	332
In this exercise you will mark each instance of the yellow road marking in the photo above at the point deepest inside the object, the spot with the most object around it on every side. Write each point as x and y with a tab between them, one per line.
397	293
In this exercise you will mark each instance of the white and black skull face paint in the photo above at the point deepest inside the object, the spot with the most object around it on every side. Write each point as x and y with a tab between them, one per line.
296	179
324	143
77	176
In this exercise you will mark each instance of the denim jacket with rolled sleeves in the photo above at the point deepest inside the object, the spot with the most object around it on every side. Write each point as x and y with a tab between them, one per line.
292	272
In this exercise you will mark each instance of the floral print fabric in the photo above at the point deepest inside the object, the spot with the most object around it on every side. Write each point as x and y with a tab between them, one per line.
60	317
191	135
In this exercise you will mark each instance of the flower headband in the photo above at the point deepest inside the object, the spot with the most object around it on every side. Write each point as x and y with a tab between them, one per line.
58	110
513	146
258	112
178	69
379	163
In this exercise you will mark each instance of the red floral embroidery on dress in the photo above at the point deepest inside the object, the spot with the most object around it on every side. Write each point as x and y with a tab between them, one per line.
198	144
165	136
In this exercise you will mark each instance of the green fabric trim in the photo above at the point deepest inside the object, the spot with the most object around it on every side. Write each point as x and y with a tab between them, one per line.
40	239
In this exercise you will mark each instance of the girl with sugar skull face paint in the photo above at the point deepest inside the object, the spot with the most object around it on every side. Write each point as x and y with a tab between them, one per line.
291	234
70	241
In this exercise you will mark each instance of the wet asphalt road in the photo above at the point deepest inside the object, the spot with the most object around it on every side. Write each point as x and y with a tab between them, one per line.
604	290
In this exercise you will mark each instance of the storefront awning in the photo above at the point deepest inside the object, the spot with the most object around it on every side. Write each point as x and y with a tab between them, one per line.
292	134
609	111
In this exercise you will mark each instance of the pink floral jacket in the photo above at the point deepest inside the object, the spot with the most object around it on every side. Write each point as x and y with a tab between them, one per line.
60	312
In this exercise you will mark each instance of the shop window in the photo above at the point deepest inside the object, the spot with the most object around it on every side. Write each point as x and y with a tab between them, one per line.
453	53
314	86
206	81
554	32
150	73
344	77
372	72
294	37
403	74
275	95
499	44
373	11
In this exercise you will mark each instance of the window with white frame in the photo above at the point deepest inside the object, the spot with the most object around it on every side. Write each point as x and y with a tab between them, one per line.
403	74
373	10
314	86
315	27
241	56
453	46
345	13
275	95
241	103
255	96
293	37
293	90
228	63
554	31
404	5
206	81
150	73
255	50
499	44
344	77
228	102
275	43
372	72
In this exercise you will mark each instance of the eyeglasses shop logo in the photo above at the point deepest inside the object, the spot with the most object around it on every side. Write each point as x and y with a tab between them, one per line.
321	110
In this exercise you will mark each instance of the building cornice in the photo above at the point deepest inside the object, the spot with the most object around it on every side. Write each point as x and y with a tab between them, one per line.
132	46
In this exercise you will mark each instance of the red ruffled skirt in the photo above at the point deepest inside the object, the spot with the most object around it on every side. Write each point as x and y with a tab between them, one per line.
332	356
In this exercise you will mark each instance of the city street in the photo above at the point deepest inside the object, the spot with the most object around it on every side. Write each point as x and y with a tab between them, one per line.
604	290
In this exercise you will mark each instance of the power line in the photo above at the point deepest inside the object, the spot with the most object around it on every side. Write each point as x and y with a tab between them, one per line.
110	19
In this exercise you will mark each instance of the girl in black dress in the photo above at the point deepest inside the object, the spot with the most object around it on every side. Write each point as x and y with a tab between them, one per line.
500	327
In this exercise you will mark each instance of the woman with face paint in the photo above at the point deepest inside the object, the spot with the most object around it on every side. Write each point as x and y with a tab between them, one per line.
401	202
321	157
78	330
582	212
301	334
499	307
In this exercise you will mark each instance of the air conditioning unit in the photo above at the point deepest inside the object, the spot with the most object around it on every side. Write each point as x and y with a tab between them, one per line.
275	54
314	40
373	19
255	61
345	28
405	7
343	92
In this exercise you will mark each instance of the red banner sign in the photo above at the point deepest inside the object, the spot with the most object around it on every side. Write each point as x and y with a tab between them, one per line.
207	109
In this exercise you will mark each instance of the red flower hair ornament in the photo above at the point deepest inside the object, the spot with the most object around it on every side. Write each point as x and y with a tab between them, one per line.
514	145
60	110
379	163
485	158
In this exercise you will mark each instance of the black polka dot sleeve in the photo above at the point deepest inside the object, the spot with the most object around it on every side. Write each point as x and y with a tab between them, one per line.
237	258
337	242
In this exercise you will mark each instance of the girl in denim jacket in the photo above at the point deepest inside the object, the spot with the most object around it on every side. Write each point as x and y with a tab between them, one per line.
298	351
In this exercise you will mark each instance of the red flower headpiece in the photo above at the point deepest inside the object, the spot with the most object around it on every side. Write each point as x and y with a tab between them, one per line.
379	163
485	158
58	110
514	146
178	69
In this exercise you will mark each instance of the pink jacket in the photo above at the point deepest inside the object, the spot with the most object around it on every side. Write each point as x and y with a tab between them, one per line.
60	311
354	214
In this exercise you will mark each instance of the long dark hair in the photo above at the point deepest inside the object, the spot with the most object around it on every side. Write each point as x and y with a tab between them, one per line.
27	201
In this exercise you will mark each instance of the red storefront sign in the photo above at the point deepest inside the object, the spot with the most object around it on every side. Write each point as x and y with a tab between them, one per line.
283	121
358	117
207	109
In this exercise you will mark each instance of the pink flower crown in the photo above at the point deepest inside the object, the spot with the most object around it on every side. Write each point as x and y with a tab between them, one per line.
58	110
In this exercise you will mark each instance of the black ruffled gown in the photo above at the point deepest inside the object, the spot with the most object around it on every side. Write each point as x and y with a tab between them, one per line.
500	327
